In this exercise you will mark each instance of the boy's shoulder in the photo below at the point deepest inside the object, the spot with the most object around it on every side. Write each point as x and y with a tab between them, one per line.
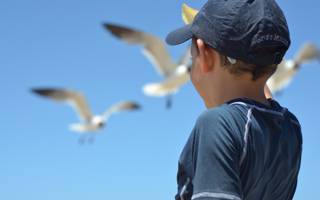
224	120
224	112
235	114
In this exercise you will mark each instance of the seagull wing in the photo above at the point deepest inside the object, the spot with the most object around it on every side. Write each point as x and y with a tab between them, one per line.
170	85
308	52
76	99
154	47
186	57
282	76
121	106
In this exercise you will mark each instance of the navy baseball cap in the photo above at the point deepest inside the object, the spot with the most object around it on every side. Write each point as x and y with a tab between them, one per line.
254	31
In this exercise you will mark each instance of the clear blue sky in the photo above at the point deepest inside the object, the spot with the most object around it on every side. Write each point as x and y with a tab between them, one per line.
61	43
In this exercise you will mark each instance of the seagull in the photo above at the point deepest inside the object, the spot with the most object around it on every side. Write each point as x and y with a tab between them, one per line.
175	74
90	123
286	70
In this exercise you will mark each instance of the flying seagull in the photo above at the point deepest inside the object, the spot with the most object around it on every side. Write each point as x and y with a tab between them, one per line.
175	73
286	70
90	123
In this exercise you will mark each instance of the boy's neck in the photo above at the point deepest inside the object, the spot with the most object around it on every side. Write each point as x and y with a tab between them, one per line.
224	89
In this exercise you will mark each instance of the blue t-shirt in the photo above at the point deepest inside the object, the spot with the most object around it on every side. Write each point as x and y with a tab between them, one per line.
241	150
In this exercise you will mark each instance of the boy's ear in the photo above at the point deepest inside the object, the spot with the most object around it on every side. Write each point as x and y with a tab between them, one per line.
206	56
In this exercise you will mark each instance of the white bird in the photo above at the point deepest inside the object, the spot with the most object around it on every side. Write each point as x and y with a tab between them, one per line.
90	123
287	69
175	74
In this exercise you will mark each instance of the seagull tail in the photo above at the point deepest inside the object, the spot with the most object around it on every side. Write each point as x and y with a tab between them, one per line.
158	90
79	128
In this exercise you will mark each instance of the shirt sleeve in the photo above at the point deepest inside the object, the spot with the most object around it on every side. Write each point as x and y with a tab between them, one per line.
216	159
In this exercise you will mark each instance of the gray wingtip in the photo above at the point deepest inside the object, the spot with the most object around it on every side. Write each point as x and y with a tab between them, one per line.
42	91
107	26
47	91
118	30
136	106
113	28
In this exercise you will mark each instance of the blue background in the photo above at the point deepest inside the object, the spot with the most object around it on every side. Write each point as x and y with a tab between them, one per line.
62	43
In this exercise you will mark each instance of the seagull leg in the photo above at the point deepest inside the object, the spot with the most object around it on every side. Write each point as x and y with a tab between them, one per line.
169	102
82	139
279	93
91	139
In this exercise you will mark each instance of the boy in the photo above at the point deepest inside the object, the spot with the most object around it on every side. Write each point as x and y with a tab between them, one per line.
245	146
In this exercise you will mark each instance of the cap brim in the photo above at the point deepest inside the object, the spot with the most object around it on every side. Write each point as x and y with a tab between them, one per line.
180	35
